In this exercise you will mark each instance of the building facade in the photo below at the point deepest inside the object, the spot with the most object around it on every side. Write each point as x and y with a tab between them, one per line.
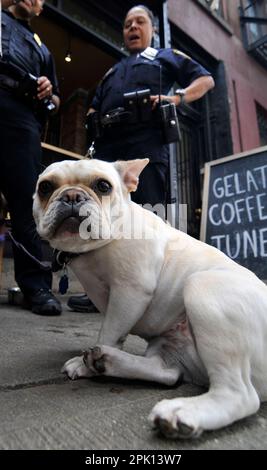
228	37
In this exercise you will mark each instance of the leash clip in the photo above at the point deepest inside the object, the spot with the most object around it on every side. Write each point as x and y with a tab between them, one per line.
91	151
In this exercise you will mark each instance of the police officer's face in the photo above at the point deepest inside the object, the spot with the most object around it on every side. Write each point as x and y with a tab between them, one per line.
28	8
137	30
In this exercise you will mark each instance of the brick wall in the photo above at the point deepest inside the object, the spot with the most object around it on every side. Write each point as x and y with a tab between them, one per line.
246	78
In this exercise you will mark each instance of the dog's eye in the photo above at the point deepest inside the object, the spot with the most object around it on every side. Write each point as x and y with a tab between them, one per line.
45	188
103	186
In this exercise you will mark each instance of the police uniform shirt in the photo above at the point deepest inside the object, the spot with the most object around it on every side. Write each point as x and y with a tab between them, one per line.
138	72
23	49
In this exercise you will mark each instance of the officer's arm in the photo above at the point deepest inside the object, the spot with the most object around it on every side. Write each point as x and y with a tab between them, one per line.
193	92
196	89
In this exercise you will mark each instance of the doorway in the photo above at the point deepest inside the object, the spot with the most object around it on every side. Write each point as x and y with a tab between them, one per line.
77	82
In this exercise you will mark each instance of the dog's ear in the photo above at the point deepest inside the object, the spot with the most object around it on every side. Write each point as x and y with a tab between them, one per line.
130	170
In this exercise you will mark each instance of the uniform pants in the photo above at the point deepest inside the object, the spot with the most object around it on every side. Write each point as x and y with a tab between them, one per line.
20	156
152	185
153	182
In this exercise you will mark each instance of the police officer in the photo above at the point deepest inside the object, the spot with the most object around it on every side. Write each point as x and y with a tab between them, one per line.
144	68
28	90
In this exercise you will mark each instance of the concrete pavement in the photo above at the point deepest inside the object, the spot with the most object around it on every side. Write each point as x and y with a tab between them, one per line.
41	409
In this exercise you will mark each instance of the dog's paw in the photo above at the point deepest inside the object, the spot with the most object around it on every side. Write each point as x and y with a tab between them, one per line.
175	419
95	360
99	360
76	368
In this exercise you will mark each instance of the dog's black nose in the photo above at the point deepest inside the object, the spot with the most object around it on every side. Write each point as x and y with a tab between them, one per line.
73	197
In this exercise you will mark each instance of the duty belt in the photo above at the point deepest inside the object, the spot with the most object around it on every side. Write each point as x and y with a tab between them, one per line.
117	120
118	116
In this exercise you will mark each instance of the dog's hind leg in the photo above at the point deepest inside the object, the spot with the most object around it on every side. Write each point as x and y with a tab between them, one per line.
215	308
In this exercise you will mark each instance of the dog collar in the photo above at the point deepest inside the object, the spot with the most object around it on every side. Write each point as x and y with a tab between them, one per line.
60	259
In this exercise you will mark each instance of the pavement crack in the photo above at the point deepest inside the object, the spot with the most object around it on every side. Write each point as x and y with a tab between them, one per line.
39	383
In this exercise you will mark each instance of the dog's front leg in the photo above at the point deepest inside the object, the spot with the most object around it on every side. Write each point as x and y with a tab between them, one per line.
125	308
109	361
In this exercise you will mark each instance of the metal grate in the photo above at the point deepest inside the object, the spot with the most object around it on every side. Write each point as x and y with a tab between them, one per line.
253	20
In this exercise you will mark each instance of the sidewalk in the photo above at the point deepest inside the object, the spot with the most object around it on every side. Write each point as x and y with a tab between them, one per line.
41	409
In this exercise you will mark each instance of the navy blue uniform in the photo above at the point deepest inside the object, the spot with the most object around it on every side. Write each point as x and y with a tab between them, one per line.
20	149
138	72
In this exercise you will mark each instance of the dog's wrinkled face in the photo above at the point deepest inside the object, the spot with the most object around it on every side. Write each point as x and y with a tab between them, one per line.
74	201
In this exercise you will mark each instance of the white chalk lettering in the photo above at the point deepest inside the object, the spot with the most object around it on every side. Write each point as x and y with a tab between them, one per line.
237	247
217	239
261	206
263	171
251	181
239	209
211	217
228	185
249	208
242	245
227	207
237	185
218	191
252	241
263	242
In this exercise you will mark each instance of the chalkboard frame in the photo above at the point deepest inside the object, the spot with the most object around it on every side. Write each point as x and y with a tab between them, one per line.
206	185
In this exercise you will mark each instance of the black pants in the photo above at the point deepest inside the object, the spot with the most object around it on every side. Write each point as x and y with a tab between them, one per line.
153	181
152	185
20	156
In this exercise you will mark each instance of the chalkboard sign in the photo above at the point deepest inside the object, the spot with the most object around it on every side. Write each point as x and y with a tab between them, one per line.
234	213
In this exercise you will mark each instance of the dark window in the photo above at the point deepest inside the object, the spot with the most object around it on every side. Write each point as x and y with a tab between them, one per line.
219	7
215	5
256	29
262	123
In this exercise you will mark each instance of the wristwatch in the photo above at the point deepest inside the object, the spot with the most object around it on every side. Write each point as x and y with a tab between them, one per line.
181	92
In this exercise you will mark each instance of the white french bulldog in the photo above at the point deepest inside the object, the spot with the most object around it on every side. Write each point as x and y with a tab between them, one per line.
203	316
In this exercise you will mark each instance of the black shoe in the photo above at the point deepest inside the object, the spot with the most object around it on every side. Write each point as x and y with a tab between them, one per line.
81	303
43	302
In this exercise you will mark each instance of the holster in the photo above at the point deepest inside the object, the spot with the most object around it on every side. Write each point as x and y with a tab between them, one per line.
138	104
93	126
169	123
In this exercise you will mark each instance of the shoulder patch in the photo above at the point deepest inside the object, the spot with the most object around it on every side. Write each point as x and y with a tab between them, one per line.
175	51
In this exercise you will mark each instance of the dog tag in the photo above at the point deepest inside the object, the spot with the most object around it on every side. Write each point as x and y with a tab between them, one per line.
63	282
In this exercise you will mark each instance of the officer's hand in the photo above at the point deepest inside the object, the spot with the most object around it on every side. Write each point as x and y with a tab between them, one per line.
45	89
171	99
